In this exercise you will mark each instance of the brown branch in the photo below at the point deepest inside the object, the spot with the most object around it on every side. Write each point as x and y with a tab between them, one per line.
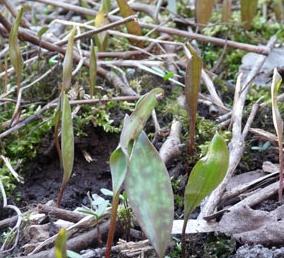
171	31
60	213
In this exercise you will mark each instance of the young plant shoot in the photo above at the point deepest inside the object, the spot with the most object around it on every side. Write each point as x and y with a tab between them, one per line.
134	148
278	125
205	176
64	113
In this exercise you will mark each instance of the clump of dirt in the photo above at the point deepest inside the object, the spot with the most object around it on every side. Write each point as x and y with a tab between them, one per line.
43	175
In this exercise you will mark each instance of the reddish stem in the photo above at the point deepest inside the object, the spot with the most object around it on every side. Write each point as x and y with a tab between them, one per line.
280	190
115	202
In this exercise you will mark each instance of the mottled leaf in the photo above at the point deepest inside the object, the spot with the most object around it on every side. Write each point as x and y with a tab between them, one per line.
226	10
192	85
68	62
14	48
133	27
67	139
135	123
60	244
93	69
248	12
149	191
203	9
206	175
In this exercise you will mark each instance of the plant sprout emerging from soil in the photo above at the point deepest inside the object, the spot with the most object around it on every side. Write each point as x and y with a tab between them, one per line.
278	124
137	163
66	152
205	176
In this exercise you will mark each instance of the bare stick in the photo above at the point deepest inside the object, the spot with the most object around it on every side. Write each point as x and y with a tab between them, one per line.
170	147
190	35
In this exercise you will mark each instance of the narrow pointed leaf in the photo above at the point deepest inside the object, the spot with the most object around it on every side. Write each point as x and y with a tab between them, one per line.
278	125
248	12
206	175
68	62
102	37
135	123
14	48
67	139
133	27
277	120
118	167
226	10
203	9
60	244
149	191
192	85
93	69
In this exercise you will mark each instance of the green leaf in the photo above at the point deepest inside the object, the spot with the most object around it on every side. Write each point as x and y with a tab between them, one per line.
102	37
192	85
133	27
118	167
68	62
43	30
248	12
168	75
60	244
14	48
101	20
93	69
206	175
67	139
134	124
277	120
150	194
203	9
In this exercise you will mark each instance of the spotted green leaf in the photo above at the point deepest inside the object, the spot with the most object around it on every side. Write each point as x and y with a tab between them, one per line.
68	62
248	12
93	69
135	123
150	195
14	48
67	139
192	85
60	244
203	9
206	175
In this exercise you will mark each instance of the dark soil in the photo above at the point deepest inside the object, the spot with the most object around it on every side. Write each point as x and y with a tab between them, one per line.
43	175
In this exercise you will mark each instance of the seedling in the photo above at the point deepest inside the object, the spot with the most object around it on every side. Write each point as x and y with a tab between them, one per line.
278	125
